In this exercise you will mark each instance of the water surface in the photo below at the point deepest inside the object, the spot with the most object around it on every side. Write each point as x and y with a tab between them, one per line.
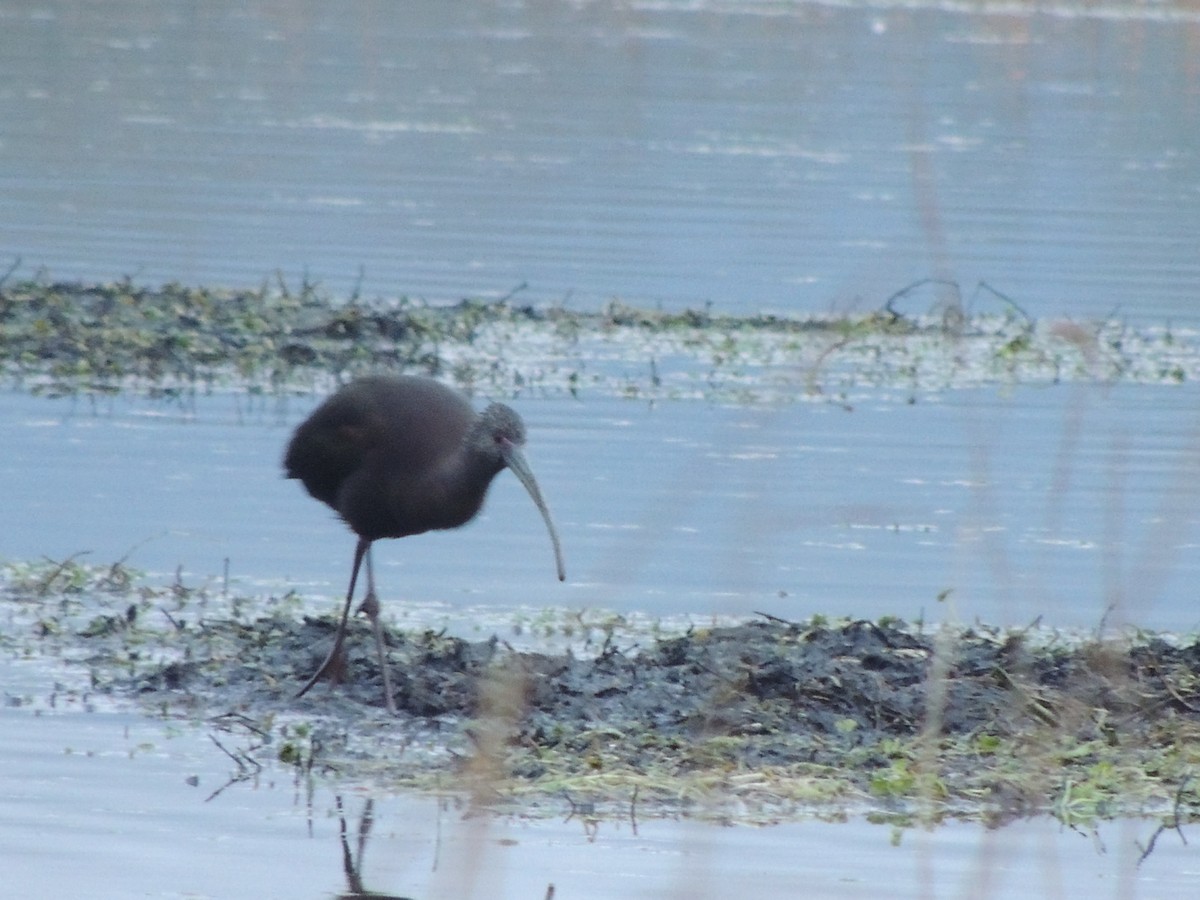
1074	504
762	156
116	806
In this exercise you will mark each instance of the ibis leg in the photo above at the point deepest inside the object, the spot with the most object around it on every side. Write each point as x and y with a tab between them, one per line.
334	659
370	607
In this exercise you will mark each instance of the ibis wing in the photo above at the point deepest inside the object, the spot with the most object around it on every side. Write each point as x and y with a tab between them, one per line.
388	430
329	447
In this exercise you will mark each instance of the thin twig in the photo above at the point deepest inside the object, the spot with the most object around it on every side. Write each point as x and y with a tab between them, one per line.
984	286
770	618
240	764
1174	825
516	290
16	264
904	291
44	587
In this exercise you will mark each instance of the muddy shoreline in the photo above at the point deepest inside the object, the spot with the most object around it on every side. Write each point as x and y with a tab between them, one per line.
762	721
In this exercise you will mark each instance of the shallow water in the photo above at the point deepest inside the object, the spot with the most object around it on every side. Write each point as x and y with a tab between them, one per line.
1055	503
116	806
761	156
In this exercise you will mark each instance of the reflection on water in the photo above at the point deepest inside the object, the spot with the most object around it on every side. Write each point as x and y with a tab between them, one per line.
760	156
352	859
114	806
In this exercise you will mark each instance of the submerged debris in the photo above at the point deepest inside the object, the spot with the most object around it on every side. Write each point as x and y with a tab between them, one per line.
68	337
761	720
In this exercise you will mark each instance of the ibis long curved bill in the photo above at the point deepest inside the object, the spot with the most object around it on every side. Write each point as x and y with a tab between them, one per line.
515	460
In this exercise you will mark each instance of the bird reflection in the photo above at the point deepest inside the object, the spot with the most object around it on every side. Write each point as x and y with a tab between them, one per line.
352	861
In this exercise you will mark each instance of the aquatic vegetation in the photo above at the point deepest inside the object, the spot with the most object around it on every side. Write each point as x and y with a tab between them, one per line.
58	337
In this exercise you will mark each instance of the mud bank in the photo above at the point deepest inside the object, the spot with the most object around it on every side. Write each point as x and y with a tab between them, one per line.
761	720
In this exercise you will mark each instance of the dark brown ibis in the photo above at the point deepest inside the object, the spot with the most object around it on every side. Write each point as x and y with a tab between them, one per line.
401	456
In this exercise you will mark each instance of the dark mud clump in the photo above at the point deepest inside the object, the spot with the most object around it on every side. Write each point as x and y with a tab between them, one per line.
975	722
